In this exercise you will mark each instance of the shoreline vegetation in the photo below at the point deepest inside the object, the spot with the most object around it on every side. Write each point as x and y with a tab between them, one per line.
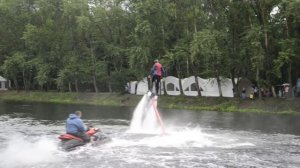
268	105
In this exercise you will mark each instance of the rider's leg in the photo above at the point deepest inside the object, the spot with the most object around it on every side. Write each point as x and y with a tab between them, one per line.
157	83
83	136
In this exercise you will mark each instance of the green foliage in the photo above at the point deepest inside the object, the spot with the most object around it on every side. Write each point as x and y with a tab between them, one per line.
286	55
178	58
102	44
119	80
253	48
207	47
14	65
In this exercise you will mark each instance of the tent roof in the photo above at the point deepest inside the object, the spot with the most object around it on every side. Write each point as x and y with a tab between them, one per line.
2	79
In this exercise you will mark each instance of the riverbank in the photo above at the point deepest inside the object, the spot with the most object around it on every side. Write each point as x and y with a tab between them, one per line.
267	105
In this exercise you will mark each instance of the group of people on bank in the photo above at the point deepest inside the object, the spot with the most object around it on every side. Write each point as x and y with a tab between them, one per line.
283	92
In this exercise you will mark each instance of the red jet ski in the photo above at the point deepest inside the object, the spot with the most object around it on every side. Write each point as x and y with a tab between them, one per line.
70	142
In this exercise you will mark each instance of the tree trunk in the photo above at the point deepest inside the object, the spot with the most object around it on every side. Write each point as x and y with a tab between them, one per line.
180	87
257	80
236	91
177	69
24	80
29	79
219	86
273	92
262	16
95	83
289	72
76	86
187	67
109	87
16	83
197	86
70	87
94	66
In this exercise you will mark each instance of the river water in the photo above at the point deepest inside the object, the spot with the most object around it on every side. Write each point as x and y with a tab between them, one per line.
29	139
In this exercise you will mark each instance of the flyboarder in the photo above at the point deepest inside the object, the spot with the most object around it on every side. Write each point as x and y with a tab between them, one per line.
156	74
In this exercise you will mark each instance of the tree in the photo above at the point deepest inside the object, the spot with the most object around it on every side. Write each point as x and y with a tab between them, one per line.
107	42
206	48
13	67
288	19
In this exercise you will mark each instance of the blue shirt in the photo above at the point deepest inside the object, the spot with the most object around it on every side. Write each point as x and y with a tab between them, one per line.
74	124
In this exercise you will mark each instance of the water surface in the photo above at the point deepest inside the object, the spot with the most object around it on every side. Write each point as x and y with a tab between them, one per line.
28	138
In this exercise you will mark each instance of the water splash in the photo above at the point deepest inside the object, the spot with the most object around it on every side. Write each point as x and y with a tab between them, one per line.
181	138
144	119
21	152
145	125
174	138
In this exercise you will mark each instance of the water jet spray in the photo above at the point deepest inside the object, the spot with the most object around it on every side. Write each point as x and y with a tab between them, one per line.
146	117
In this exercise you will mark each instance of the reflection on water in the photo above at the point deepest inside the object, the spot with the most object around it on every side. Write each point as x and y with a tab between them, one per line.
194	139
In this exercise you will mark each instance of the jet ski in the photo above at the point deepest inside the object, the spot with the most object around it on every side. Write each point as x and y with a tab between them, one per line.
70	142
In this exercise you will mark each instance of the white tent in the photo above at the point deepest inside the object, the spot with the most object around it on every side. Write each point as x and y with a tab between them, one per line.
189	86
2	83
131	87
142	87
210	88
172	86
227	87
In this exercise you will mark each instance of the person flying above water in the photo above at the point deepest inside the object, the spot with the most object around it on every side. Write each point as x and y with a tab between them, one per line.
76	127
156	74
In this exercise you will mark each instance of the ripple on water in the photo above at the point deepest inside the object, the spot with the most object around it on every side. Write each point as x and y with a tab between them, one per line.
27	142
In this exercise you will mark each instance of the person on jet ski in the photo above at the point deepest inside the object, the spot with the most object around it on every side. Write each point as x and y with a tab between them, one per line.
76	127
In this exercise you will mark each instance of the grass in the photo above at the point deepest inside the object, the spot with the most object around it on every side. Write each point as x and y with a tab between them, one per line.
271	105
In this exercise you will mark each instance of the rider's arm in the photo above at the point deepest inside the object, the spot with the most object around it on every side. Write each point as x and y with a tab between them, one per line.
80	125
152	71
